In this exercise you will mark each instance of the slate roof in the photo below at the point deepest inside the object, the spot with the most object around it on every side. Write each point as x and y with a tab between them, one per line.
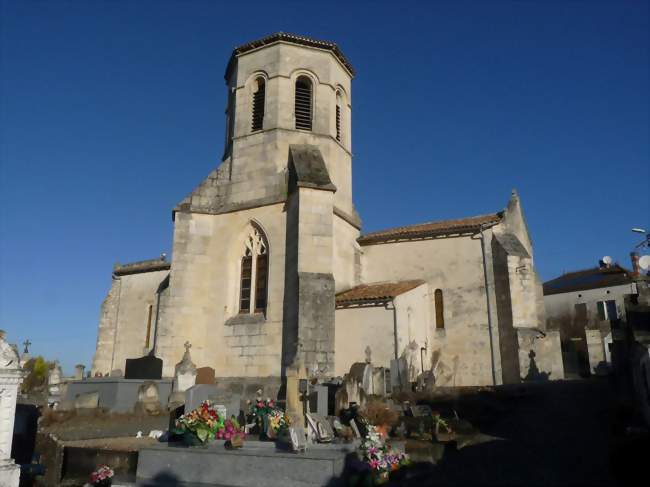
595	278
379	292
308	167
431	229
293	39
150	265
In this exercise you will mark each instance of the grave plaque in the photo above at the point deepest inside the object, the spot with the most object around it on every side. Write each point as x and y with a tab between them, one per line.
205	375
145	368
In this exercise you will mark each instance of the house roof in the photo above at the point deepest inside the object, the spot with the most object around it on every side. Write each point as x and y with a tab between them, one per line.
595	278
375	293
293	39
431	229
150	265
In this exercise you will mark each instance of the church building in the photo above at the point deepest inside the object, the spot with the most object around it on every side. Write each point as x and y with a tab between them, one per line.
270	270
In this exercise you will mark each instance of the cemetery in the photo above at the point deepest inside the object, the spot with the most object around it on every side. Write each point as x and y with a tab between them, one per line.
143	429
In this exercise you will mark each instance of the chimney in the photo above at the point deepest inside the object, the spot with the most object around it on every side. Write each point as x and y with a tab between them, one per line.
634	257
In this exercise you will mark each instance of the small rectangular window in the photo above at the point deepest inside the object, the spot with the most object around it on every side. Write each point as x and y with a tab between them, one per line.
600	306
440	312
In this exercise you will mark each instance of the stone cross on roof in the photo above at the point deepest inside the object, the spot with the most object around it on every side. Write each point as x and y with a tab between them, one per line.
27	343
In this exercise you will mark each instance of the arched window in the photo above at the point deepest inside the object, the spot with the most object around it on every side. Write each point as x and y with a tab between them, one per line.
339	104
440	312
259	92
303	109
254	273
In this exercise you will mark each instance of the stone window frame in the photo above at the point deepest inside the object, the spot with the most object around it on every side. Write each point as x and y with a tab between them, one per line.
255	244
295	76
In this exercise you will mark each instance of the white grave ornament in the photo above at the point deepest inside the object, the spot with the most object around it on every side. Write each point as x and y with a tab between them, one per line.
11	376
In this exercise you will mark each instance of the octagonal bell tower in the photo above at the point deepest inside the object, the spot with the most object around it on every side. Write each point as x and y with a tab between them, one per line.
285	90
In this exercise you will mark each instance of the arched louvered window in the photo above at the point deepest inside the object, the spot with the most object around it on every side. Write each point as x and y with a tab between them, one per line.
440	311
303	107
339	104
259	93
254	273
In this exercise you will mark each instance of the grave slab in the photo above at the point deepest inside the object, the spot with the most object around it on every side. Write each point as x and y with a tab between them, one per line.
252	466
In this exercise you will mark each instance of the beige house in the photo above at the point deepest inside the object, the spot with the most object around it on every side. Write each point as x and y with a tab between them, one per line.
270	270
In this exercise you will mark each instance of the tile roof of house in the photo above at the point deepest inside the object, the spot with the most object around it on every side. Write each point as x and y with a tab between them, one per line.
431	229
595	278
294	39
379	292
150	265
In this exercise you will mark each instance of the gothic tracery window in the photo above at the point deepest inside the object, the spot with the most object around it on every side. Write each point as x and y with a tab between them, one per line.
254	273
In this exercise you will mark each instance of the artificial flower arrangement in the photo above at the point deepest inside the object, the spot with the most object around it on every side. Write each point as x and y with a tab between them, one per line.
102	477
205	424
379	457
271	420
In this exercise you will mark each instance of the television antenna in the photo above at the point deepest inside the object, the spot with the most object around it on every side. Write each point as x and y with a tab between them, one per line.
607	260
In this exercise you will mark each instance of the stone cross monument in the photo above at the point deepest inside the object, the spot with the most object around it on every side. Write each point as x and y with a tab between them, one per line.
11	376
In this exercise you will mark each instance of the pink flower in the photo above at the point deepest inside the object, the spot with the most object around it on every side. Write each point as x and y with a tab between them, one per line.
374	464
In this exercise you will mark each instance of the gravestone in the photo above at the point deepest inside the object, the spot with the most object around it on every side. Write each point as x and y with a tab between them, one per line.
298	438
148	399
378	384
184	378
205	375
198	393
11	376
318	400
148	367
319	428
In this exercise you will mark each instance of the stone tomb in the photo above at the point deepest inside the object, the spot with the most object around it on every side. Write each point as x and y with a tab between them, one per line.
198	393
143	368
11	376
257	464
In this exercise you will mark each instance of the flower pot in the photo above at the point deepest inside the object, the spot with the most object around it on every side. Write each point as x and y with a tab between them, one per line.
103	483
190	439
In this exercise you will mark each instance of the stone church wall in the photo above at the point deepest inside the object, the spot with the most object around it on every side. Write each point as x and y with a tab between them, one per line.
461	351
203	303
125	315
373	327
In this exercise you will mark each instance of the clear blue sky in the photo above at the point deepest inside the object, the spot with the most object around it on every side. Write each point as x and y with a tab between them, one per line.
112	111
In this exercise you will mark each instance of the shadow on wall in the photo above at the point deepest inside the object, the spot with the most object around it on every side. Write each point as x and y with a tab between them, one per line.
534	374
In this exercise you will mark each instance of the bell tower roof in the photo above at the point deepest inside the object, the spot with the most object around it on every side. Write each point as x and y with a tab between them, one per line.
291	39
